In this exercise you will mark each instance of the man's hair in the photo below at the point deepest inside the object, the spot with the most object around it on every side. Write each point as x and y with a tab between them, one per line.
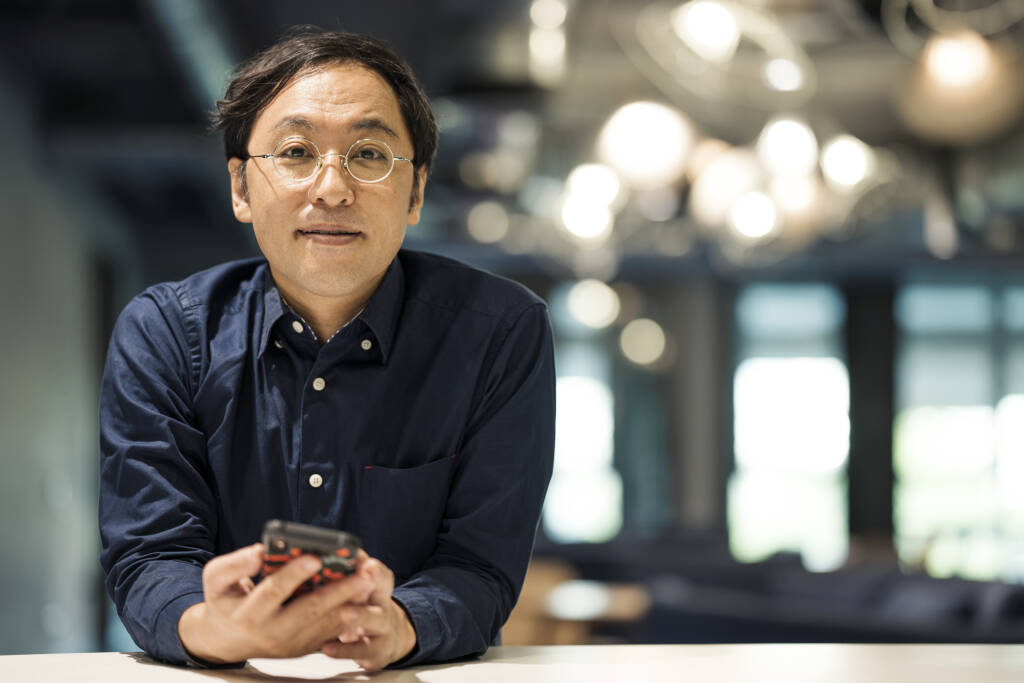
258	80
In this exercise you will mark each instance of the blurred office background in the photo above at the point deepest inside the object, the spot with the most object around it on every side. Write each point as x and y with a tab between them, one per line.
782	242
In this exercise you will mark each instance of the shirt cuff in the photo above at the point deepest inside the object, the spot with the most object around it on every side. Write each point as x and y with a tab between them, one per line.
424	621
167	634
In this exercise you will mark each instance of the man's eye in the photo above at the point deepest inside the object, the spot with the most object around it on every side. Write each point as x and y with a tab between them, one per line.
370	154
296	152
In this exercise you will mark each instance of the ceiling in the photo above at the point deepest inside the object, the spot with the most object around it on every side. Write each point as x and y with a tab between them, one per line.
119	91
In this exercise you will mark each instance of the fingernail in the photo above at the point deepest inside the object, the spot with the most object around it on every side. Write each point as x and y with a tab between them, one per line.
310	563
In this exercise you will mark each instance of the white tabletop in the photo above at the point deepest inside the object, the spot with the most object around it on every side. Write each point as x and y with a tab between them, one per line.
581	664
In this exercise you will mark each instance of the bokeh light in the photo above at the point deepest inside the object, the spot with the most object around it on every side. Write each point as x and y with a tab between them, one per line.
788	146
796	195
647	143
846	161
487	222
658	205
958	60
643	341
596	183
548	14
754	216
593	303
725	179
547	55
708	29
784	75
586	220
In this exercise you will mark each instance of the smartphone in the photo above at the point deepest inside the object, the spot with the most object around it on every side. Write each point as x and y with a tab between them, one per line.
283	541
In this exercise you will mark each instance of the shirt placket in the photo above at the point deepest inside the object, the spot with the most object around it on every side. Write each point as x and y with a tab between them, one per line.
316	472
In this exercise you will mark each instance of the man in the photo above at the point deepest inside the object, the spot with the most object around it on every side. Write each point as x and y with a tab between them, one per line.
340	382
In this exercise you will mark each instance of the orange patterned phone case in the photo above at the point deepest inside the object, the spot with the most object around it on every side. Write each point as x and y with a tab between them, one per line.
283	541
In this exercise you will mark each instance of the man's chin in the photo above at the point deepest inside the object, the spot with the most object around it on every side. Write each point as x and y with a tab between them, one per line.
317	283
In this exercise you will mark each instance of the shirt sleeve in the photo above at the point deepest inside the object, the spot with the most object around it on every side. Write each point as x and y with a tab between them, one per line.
157	512
460	600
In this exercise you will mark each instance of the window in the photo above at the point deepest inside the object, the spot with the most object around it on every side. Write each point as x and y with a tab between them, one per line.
584	500
958	446
791	426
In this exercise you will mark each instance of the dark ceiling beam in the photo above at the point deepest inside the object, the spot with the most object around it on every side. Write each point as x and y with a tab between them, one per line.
198	41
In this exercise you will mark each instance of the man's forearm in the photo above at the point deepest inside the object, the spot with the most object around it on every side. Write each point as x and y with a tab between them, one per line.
150	601
455	612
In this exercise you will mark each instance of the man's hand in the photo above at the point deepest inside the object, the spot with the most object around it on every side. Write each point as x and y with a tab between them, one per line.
379	632
238	620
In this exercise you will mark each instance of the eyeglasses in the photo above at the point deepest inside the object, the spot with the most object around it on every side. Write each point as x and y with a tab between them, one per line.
297	159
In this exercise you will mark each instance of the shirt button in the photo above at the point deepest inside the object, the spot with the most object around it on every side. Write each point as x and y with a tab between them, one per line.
319	384
278	344
366	344
316	481
297	326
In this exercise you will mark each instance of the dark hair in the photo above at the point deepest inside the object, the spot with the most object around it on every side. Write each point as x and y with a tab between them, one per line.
258	80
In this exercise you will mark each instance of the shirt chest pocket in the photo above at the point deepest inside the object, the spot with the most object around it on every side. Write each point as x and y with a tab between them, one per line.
400	512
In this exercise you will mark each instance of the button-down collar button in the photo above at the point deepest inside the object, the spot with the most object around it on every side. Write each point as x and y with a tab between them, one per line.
297	326
366	344
278	344
316	481
319	384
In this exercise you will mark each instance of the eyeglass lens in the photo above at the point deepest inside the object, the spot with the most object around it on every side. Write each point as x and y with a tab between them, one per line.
368	160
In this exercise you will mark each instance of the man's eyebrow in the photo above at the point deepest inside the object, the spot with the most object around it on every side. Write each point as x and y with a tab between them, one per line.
374	124
294	122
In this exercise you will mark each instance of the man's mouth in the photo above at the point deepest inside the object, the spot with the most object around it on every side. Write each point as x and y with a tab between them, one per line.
329	232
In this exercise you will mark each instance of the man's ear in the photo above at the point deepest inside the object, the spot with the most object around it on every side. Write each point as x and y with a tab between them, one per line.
239	190
419	184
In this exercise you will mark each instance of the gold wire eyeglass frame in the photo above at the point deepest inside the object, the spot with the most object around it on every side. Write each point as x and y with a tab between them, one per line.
320	159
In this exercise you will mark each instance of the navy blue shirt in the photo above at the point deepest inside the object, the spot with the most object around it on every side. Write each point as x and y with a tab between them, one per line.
425	426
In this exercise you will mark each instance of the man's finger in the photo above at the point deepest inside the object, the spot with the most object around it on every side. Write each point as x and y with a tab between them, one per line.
368	654
333	594
270	593
372	619
383	580
222	574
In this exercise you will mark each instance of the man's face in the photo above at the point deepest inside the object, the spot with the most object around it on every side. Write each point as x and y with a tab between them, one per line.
330	236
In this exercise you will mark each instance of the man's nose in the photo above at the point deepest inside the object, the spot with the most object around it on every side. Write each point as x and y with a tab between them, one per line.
332	184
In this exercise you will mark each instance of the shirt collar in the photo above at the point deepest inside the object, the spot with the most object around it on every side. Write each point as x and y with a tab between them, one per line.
385	307
380	314
273	309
